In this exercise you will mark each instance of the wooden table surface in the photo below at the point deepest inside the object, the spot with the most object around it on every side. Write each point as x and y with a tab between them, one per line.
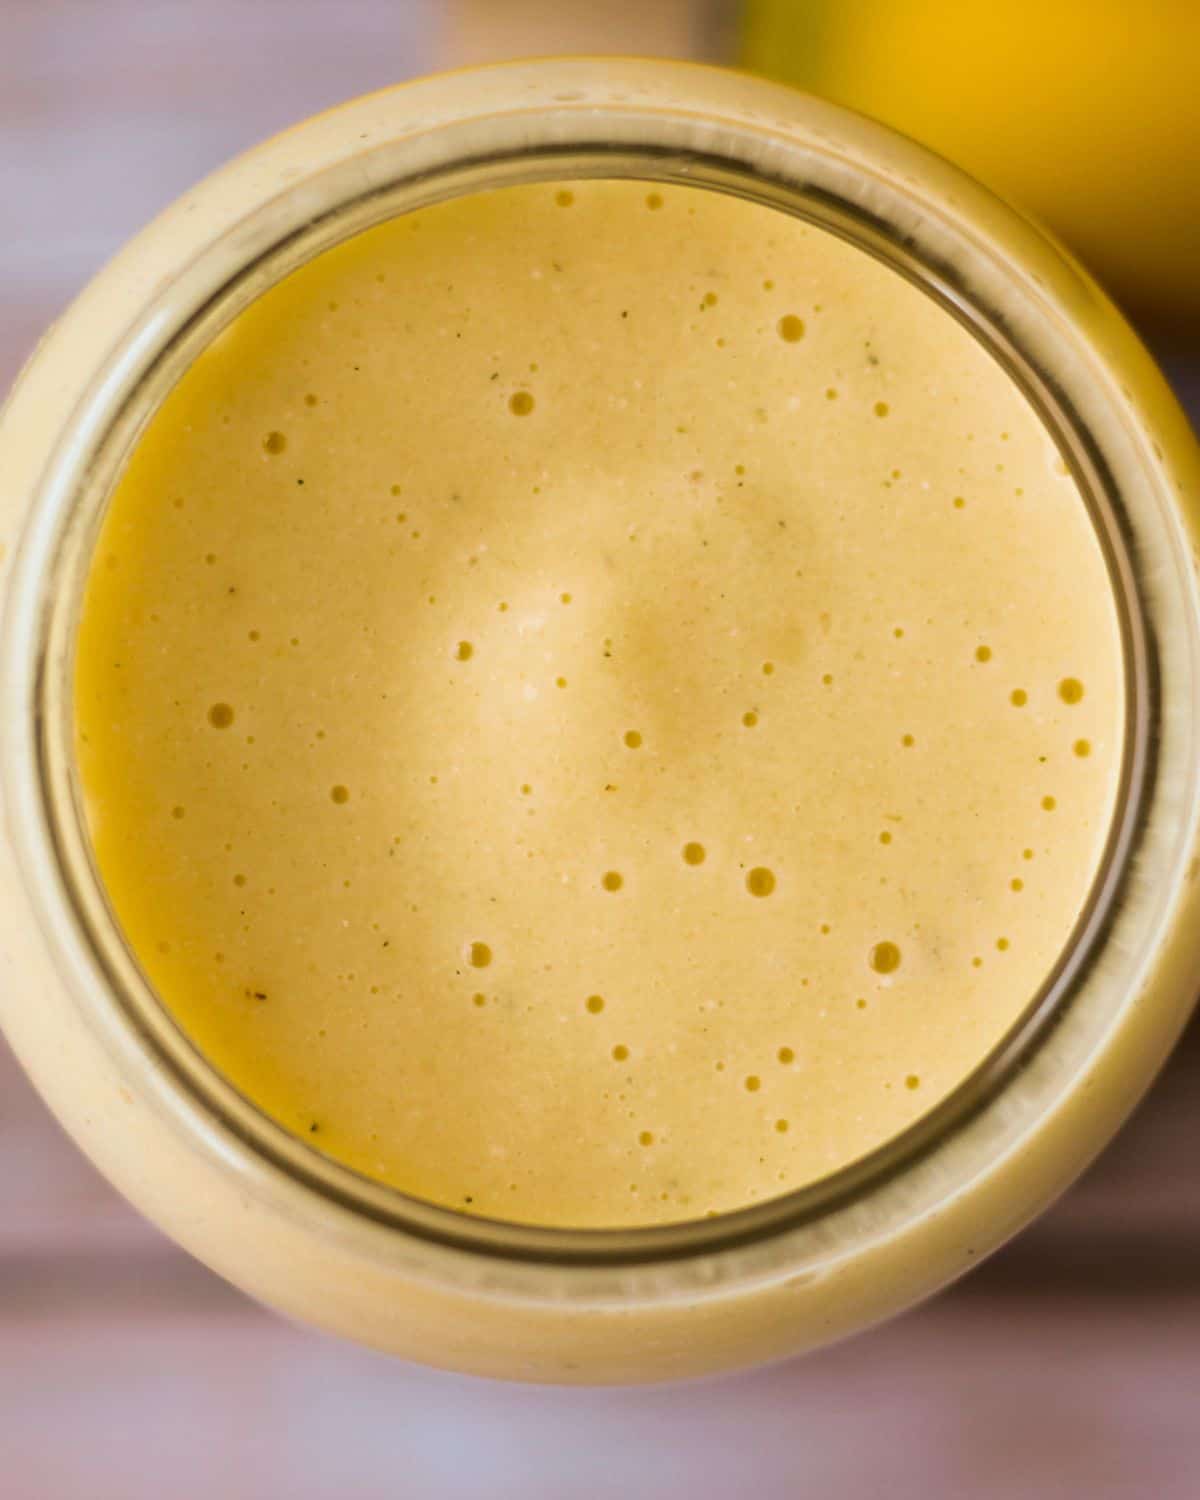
1067	1366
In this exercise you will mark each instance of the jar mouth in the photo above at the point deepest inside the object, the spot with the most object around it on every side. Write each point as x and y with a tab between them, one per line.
47	810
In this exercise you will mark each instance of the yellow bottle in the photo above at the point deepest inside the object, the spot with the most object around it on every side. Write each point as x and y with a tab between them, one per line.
1084	112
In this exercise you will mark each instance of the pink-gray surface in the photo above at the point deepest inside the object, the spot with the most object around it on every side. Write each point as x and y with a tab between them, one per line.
1069	1366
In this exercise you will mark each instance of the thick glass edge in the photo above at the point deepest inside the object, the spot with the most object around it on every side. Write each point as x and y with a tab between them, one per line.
66	836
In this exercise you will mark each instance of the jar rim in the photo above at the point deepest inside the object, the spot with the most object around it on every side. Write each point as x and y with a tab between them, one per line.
557	139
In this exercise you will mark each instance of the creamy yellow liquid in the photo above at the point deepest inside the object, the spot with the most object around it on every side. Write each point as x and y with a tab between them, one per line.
597	703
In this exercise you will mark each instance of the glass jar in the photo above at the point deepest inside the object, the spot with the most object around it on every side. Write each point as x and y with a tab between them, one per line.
311	1237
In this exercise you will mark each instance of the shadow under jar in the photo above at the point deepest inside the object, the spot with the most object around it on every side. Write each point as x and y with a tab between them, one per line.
848	622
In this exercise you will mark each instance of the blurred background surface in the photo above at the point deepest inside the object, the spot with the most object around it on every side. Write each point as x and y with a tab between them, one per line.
1069	1364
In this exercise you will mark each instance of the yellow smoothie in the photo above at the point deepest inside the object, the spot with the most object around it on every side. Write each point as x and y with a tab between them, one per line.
597	703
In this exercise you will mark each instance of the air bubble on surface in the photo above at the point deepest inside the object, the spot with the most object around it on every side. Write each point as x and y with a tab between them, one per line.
760	881
885	958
